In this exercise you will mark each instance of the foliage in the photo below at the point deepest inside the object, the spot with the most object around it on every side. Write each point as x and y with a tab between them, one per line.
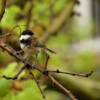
4	87
30	91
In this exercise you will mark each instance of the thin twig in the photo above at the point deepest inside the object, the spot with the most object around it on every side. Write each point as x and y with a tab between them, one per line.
14	77
37	82
47	58
83	75
9	34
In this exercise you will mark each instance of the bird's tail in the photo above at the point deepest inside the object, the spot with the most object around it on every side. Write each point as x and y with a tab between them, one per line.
50	50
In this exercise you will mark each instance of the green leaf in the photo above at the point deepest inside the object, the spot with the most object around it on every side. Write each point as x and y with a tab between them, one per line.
55	95
31	84
9	69
4	87
59	5
30	92
86	59
22	74
8	96
9	19
41	8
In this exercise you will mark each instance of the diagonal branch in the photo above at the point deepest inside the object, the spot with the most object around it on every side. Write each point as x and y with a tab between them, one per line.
14	77
37	82
62	88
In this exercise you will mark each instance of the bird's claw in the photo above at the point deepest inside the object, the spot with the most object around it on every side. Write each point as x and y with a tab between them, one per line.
23	60
17	53
33	65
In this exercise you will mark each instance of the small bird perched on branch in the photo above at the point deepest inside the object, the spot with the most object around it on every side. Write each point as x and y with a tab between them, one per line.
30	45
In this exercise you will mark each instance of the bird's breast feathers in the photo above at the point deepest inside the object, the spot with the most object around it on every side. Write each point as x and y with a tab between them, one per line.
30	50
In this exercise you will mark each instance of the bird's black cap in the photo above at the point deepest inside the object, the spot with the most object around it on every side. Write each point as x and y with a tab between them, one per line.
27	32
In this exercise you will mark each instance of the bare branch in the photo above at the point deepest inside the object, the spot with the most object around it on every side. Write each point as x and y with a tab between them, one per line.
37	82
83	75
9	34
47	58
62	88
14	77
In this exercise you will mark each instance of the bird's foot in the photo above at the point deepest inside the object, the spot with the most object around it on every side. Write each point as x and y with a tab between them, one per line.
19	52
23	59
34	62
33	65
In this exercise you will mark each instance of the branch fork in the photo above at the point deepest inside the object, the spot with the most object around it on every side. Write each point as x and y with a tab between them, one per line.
46	72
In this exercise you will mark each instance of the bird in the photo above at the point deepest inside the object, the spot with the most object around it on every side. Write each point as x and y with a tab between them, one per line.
29	44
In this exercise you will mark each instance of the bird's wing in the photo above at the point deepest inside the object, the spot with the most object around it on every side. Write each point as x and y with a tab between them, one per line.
35	42
39	44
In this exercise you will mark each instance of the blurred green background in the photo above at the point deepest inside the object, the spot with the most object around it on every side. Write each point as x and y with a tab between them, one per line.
63	26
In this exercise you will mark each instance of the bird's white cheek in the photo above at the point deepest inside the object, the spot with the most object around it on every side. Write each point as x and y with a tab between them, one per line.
24	37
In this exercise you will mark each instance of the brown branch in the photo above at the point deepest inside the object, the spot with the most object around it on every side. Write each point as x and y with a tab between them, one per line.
2	8
45	72
83	75
9	34
37	82
14	77
62	88
47	58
